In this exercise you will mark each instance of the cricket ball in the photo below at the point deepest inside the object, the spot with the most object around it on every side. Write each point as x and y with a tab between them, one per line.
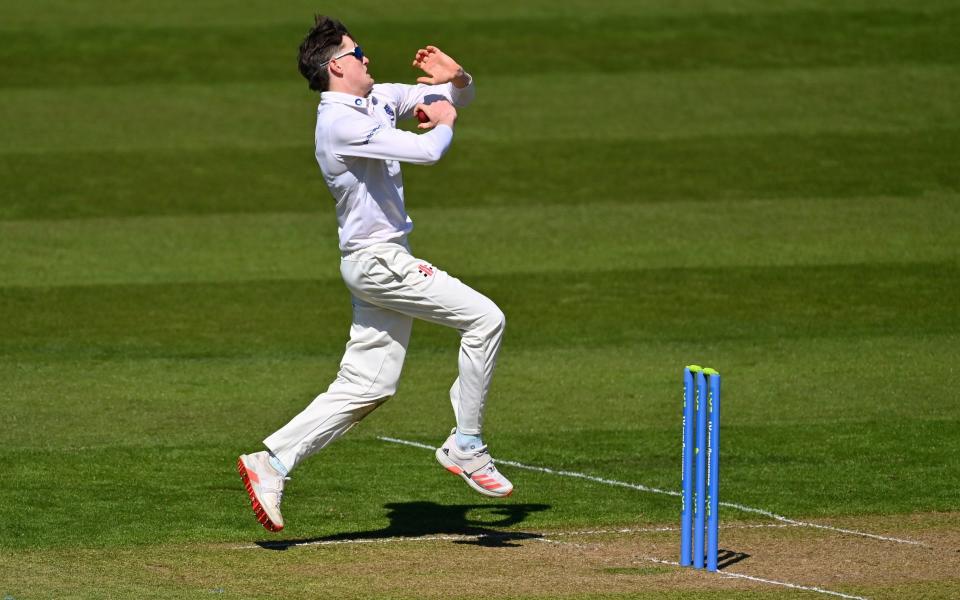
422	116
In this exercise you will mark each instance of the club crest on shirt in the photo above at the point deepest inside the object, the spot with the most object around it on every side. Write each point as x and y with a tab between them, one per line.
389	111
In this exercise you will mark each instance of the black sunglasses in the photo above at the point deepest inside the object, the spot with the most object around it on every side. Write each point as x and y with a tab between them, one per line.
356	52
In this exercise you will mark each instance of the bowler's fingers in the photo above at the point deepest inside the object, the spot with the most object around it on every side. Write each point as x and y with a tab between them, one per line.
424	55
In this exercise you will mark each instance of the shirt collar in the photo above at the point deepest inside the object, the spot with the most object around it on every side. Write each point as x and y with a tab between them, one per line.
348	99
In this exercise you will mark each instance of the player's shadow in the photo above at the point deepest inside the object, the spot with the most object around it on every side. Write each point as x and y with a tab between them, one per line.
427	519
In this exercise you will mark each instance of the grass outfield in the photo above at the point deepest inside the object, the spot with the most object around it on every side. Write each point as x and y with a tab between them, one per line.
768	188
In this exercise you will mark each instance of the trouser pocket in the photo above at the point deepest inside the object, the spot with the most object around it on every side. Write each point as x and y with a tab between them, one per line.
408	269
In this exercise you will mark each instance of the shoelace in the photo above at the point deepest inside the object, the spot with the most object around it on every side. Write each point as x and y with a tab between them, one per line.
277	490
481	451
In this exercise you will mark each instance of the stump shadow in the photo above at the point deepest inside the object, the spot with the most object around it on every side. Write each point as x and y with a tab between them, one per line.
725	558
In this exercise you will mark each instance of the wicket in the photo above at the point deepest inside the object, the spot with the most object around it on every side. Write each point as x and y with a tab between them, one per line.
701	467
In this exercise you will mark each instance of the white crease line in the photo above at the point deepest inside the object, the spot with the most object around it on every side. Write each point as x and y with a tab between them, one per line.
533	536
784	519
666	529
644	488
608	531
544	540
726	574
762	580
536	539
559	543
434	538
794	586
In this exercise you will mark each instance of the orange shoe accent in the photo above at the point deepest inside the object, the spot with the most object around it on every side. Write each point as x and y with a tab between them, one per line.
455	469
258	511
489	483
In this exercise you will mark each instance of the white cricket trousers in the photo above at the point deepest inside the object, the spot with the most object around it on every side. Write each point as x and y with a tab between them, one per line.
390	288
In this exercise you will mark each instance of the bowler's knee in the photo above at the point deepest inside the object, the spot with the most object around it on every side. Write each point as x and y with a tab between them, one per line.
492	323
371	382
385	384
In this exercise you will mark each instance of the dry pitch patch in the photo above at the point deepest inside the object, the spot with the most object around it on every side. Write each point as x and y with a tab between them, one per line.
603	562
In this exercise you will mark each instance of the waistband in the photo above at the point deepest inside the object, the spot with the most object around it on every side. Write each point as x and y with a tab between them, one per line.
374	249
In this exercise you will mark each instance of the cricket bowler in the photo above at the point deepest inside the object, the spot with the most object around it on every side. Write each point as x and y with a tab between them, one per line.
359	151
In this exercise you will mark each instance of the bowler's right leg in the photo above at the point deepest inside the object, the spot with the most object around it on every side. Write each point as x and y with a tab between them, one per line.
368	376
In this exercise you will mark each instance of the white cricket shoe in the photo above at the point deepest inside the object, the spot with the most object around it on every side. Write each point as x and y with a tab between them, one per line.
475	467
265	487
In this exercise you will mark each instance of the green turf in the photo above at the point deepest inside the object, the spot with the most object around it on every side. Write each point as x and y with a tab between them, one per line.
117	55
769	189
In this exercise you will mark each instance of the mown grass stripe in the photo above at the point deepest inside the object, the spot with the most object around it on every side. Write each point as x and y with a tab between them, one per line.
143	402
509	108
559	309
119	55
710	168
65	15
601	237
61	14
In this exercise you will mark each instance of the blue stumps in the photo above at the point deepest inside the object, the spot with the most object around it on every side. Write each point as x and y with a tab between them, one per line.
713	468
700	470
686	468
700	450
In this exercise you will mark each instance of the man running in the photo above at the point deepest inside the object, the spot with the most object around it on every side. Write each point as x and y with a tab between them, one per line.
359	150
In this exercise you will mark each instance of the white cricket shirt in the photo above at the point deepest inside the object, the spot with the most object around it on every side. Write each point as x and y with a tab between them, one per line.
359	150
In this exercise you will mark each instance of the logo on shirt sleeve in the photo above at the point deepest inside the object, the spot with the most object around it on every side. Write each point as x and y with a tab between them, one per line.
366	140
389	111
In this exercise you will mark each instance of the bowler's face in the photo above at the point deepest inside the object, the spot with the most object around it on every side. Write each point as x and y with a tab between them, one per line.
354	71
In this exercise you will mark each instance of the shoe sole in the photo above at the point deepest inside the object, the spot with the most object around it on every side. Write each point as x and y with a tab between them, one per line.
450	466
258	511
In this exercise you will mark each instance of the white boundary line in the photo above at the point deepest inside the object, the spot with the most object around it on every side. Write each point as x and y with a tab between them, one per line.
653	490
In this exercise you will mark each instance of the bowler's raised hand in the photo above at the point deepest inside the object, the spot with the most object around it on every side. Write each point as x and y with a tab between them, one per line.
439	68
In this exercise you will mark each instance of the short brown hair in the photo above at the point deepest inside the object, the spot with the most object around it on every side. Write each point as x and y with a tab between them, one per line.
318	47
